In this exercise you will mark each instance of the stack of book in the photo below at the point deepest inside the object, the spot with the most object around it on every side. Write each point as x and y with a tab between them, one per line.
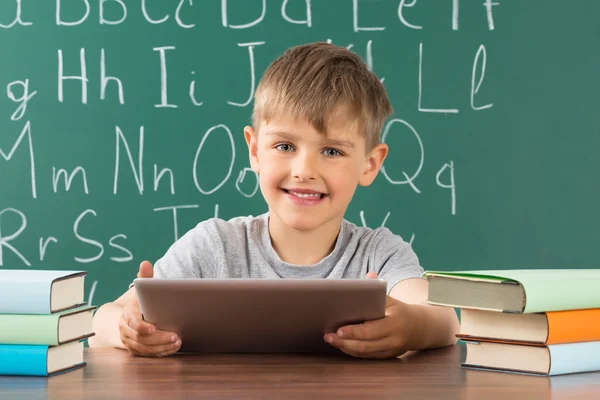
543	322
43	321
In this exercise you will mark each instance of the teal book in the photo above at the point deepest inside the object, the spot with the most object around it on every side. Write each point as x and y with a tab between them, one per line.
556	359
47	329
516	291
30	291
39	360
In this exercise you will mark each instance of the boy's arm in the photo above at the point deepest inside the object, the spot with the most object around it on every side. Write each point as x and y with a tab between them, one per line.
432	326
106	322
409	324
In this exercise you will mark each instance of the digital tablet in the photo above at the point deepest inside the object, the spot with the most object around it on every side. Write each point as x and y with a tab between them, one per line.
258	315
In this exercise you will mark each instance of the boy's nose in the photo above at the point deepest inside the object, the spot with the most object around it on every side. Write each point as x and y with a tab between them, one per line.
304	167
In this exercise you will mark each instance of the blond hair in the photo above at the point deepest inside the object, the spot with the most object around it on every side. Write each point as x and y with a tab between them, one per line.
317	81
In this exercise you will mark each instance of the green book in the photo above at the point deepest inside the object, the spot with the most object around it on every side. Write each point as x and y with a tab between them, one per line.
47	329
516	291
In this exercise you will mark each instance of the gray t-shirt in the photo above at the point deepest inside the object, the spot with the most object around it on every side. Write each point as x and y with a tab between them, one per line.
241	248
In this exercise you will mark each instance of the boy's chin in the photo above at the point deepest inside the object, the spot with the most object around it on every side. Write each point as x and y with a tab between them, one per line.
303	221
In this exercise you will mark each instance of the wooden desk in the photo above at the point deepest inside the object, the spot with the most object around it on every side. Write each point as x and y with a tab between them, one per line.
436	374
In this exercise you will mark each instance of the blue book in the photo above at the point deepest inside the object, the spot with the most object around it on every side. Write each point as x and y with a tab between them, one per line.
36	360
554	359
40	291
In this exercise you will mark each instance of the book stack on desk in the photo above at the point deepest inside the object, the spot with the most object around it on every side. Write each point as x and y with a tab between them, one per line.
542	322
43	321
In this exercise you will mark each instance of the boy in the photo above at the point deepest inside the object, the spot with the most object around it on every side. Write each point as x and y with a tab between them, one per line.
318	114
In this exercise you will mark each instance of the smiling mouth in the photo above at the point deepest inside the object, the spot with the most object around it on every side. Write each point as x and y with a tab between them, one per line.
315	196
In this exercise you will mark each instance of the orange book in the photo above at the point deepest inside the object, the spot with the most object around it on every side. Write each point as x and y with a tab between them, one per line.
537	329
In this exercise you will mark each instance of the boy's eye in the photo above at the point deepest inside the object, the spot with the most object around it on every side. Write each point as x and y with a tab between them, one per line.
332	152
285	147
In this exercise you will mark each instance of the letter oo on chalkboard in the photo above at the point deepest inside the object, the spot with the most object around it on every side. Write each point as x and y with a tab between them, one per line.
17	19
201	145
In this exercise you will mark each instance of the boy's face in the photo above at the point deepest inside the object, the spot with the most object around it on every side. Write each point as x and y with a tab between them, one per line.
308	179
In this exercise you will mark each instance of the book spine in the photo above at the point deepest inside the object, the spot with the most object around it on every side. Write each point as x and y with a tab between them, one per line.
23	360
574	357
29	329
25	296
573	326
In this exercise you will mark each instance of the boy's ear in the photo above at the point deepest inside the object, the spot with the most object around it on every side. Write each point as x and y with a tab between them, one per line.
252	140
374	161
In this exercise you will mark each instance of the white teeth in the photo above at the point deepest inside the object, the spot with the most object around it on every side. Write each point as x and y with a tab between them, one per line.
306	195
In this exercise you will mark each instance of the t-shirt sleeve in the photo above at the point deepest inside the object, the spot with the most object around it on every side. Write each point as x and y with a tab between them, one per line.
192	256
395	259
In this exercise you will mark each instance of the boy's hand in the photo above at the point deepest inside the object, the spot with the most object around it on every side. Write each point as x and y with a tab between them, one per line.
383	338
140	337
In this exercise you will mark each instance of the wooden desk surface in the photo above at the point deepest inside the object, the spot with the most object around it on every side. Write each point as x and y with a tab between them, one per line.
435	374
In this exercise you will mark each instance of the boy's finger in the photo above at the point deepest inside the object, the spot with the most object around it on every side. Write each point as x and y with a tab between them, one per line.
140	349
372	275
370	330
362	348
157	339
146	270
139	325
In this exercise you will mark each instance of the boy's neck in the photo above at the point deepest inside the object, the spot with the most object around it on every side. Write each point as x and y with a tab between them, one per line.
303	247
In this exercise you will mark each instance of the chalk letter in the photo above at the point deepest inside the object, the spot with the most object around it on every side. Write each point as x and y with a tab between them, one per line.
4	240
60	22
401	15
240	179
206	135
408	180
17	19
158	177
139	175
105	79
355	20
178	18
450	186
152	21
307	21
174	208
244	26
252	73
364	221
83	77
123	249
86	240
44	244
454	15
22	108
163	77
193	92
420	107
68	178
490	18
370	58
26	131
104	21
475	89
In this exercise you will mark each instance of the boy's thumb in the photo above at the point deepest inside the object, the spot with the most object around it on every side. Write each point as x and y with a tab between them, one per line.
372	275
146	270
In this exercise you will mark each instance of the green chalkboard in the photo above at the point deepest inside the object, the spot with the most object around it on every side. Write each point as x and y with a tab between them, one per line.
494	143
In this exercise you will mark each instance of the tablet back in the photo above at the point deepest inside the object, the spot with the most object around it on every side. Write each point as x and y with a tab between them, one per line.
259	315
